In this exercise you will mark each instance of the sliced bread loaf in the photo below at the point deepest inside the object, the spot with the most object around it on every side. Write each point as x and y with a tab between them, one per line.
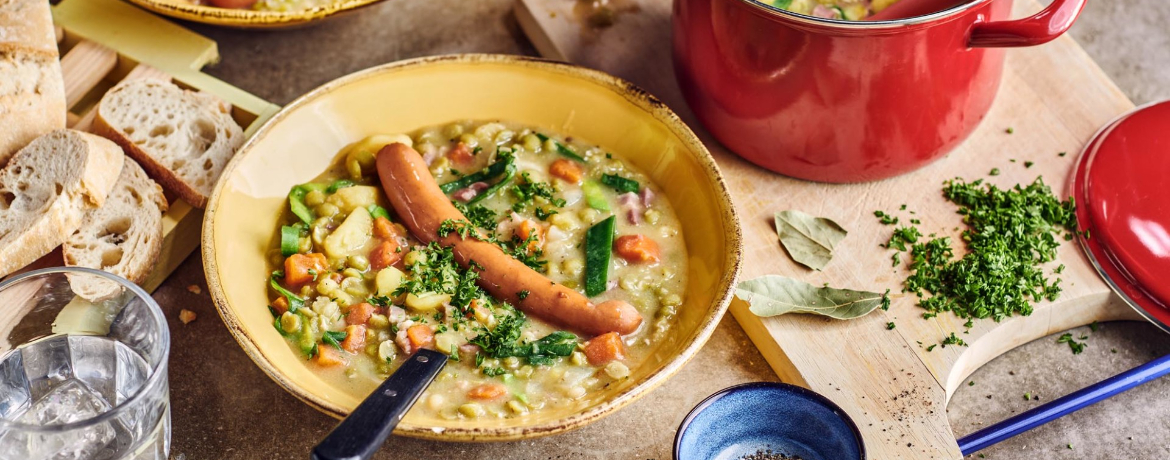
32	93
182	138
125	235
46	189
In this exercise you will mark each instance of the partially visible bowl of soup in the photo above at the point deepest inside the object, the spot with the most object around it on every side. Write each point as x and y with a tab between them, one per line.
252	14
581	188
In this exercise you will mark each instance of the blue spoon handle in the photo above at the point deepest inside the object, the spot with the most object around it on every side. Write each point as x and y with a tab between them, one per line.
1065	405
367	427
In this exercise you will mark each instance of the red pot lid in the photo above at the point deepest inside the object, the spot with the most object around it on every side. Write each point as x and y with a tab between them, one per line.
1122	188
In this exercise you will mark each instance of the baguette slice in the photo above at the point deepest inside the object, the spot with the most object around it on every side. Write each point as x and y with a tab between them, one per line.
32	92
182	138
47	188
123	237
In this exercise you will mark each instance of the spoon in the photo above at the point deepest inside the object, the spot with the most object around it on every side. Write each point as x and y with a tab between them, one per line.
903	9
367	427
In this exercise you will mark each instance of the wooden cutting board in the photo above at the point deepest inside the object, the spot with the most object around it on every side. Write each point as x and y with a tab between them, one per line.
103	42
1054	97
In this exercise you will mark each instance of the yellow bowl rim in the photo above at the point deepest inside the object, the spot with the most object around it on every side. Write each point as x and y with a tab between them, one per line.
231	17
630	92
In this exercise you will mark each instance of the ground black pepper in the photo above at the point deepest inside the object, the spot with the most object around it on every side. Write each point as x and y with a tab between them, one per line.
768	454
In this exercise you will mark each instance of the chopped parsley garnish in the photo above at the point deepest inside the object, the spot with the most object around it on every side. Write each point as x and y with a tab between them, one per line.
993	172
890	326
885	219
544	213
1010	234
479	215
1077	347
460	227
525	251
504	341
953	340
436	272
528	190
379	301
494	371
903	236
522	295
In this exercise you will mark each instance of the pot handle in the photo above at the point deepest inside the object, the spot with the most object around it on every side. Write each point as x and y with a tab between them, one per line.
1037	29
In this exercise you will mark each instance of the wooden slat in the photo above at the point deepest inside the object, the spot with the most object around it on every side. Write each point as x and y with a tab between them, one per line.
84	67
886	380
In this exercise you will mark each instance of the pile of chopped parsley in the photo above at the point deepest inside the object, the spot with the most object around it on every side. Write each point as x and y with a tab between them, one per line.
1010	235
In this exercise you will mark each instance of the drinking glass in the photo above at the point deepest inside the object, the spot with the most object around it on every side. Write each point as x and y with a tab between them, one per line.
83	368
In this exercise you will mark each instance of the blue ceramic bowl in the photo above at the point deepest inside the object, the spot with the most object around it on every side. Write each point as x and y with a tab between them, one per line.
785	419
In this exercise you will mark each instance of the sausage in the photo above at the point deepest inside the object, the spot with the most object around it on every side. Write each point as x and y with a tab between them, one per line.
422	207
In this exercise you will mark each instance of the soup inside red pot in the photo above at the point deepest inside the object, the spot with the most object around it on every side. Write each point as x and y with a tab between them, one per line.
863	10
847	101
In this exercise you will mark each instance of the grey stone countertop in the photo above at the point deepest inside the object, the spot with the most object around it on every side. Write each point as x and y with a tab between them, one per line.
224	407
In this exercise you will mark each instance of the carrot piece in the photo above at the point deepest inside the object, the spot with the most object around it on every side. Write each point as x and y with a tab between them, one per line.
636	248
328	356
605	348
355	338
472	307
385	254
384	229
280	305
304	268
359	314
526	229
487	391
461	154
568	170
421	336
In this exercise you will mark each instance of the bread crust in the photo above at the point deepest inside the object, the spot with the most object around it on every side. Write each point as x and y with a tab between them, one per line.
32	91
34	236
152	162
129	226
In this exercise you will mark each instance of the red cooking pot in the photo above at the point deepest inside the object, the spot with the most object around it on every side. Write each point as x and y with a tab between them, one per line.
839	101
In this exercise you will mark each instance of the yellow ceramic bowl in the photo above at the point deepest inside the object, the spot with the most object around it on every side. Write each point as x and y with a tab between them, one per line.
247	19
298	144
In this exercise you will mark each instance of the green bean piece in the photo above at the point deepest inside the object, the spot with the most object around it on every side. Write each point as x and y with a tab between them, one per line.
598	246
290	238
620	183
378	211
296	201
338	185
495	169
334	338
509	172
595	196
295	302
562	149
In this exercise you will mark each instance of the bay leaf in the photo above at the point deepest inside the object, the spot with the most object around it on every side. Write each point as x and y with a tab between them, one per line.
809	240
773	295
